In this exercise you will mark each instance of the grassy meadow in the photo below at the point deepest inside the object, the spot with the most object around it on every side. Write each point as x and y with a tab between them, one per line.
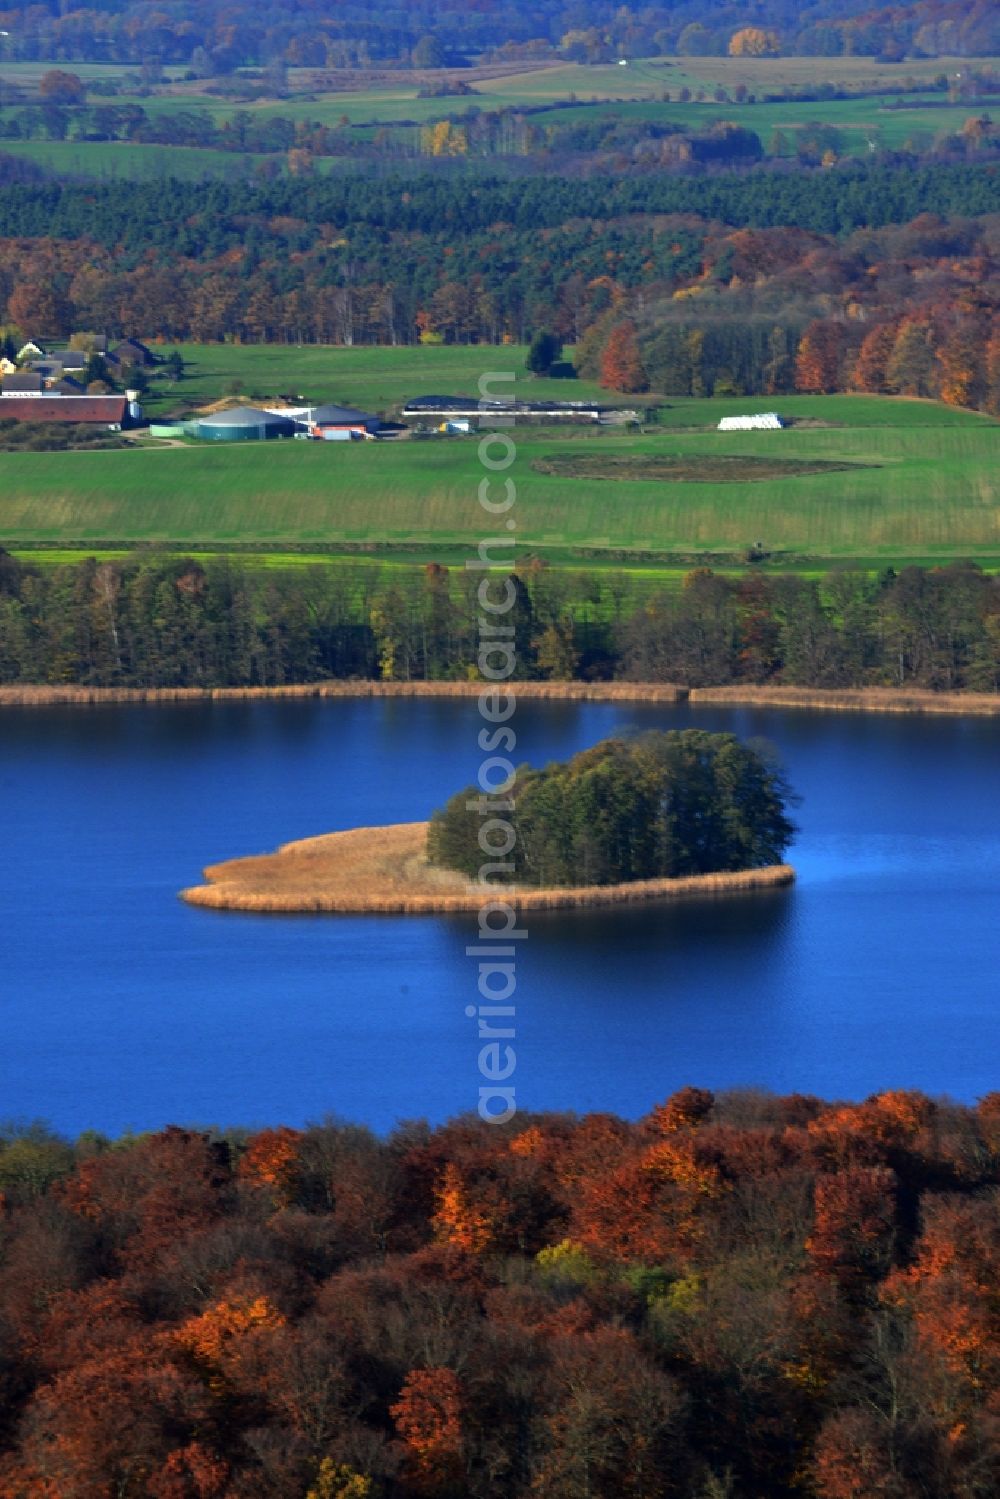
919	485
131	161
382	379
374	378
860	121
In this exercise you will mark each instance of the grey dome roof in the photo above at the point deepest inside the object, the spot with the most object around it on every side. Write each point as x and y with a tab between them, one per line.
245	416
342	414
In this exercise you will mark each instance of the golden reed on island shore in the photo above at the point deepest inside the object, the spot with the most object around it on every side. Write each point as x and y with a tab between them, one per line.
386	870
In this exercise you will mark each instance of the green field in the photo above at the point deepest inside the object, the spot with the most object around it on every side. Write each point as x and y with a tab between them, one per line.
382	379
860	121
864	124
921	486
375	378
642	79
110	160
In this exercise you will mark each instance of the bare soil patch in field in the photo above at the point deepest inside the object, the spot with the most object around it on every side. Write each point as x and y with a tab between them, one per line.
686	468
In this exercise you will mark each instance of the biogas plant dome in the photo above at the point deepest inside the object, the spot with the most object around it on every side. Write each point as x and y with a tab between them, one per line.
244	424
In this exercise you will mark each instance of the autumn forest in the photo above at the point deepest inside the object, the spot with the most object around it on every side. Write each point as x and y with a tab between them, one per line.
742	1294
887	284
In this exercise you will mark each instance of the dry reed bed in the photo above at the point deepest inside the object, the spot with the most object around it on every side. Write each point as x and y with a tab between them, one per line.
852	699
370	870
859	699
864	699
43	696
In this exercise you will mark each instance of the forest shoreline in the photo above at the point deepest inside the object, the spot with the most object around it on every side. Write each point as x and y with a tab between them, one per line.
838	699
384	870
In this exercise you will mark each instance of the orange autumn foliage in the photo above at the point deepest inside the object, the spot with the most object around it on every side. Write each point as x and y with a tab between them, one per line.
870	372
428	1417
621	361
269	1161
853	1231
456	1222
803	1294
817	363
191	1473
650	1207
209	1336
963	375
683	1110
852	1458
677	1161
530	1142
102	1428
951	1292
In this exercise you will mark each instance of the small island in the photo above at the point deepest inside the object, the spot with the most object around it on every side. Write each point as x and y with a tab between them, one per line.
634	819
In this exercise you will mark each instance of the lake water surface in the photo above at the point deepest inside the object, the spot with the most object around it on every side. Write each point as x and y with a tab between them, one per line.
123	1008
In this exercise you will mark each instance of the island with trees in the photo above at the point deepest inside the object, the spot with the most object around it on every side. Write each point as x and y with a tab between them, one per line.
637	818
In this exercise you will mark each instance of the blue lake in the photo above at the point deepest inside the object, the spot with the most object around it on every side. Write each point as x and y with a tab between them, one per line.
123	1008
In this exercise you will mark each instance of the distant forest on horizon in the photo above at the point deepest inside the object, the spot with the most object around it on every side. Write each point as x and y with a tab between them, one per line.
217	36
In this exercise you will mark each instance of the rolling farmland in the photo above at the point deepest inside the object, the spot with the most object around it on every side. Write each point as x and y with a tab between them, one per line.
910	481
559	94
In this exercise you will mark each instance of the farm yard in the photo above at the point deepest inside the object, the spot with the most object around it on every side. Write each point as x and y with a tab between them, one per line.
869	481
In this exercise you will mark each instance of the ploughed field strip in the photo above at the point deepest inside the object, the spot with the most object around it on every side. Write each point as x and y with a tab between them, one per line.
386	870
685	468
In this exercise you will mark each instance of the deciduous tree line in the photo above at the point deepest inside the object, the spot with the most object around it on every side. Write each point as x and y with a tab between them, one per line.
165	621
735	1295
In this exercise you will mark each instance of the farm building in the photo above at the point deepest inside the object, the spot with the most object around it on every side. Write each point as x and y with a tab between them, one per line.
244	424
61	361
47	369
763	421
327	419
320	420
23	383
114	412
348	417
131	351
468	408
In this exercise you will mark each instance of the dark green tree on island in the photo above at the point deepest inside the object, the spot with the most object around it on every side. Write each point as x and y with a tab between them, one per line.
659	805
